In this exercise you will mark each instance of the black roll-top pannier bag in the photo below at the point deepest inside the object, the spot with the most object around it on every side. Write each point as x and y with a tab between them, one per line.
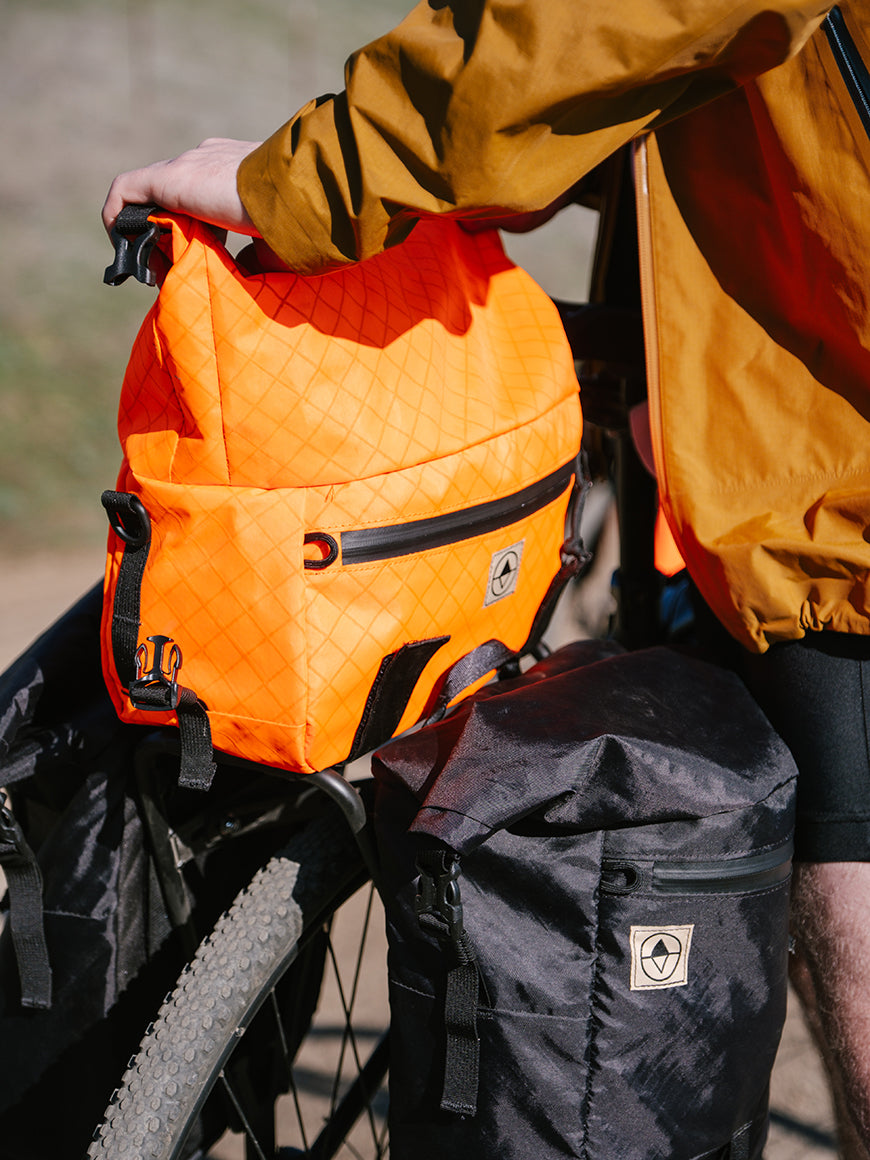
586	873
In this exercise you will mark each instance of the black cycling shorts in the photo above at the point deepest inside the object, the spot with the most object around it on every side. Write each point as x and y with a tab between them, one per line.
816	693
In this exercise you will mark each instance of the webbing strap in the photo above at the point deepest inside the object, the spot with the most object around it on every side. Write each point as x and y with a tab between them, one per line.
197	755
126	515
154	692
575	556
26	918
439	910
483	659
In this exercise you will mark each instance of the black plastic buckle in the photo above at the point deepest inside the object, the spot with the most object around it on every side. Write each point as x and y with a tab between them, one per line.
133	236
155	690
438	903
12	843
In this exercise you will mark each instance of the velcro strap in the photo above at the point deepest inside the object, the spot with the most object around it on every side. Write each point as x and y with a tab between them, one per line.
462	1047
391	690
493	654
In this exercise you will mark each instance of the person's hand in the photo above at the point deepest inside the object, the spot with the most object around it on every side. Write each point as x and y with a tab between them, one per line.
200	182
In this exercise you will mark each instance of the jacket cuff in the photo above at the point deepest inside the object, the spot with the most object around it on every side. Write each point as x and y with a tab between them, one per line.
272	182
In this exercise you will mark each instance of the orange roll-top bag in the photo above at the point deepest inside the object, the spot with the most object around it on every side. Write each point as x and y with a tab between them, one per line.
343	497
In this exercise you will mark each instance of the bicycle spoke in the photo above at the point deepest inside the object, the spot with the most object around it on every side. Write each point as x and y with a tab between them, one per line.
349	1037
250	1138
294	1091
345	1113
348	1097
347	1034
382	1142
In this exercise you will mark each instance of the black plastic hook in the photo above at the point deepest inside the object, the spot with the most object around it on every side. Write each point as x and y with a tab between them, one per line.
133	236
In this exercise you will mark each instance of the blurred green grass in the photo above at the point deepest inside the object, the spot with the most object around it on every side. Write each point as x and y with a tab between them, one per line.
93	87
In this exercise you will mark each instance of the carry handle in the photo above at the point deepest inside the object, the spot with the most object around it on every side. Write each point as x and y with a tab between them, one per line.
133	236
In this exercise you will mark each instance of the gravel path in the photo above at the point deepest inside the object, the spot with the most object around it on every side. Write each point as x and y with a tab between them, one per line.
35	590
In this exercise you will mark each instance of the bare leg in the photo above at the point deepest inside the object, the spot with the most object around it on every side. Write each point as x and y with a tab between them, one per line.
830	972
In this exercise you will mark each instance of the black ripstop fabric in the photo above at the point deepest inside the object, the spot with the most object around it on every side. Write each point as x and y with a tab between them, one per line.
565	795
66	761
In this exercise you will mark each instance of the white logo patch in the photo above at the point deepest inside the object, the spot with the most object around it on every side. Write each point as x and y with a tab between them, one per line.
660	956
503	573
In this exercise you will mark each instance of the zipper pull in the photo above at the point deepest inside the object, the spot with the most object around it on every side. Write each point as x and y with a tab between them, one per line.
326	547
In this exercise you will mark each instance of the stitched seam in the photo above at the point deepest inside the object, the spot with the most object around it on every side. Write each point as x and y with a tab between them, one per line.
738	486
220	399
75	914
861	668
589	1052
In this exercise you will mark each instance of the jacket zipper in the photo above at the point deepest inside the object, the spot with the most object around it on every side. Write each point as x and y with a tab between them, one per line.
852	68
367	545
726	876
648	301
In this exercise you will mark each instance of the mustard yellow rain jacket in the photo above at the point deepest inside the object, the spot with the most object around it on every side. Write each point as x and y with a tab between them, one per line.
753	177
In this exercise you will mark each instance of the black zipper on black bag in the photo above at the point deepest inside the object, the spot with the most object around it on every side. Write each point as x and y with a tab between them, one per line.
852	68
724	876
366	545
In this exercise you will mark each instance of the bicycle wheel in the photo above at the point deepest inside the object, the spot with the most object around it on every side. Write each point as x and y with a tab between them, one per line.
236	1033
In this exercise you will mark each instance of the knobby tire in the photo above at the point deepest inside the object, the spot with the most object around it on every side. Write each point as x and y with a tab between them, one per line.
184	1053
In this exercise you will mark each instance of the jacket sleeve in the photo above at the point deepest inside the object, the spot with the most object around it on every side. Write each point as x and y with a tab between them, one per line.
473	105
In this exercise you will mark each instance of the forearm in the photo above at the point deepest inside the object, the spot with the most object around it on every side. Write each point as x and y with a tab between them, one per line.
501	104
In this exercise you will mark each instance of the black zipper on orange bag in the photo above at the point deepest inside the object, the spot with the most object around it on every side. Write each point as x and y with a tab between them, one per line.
367	545
852	68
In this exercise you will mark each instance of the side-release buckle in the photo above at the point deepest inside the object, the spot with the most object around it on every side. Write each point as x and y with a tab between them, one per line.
438	904
12	841
155	689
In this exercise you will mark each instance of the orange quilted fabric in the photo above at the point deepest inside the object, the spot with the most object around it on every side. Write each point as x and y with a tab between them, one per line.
258	407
